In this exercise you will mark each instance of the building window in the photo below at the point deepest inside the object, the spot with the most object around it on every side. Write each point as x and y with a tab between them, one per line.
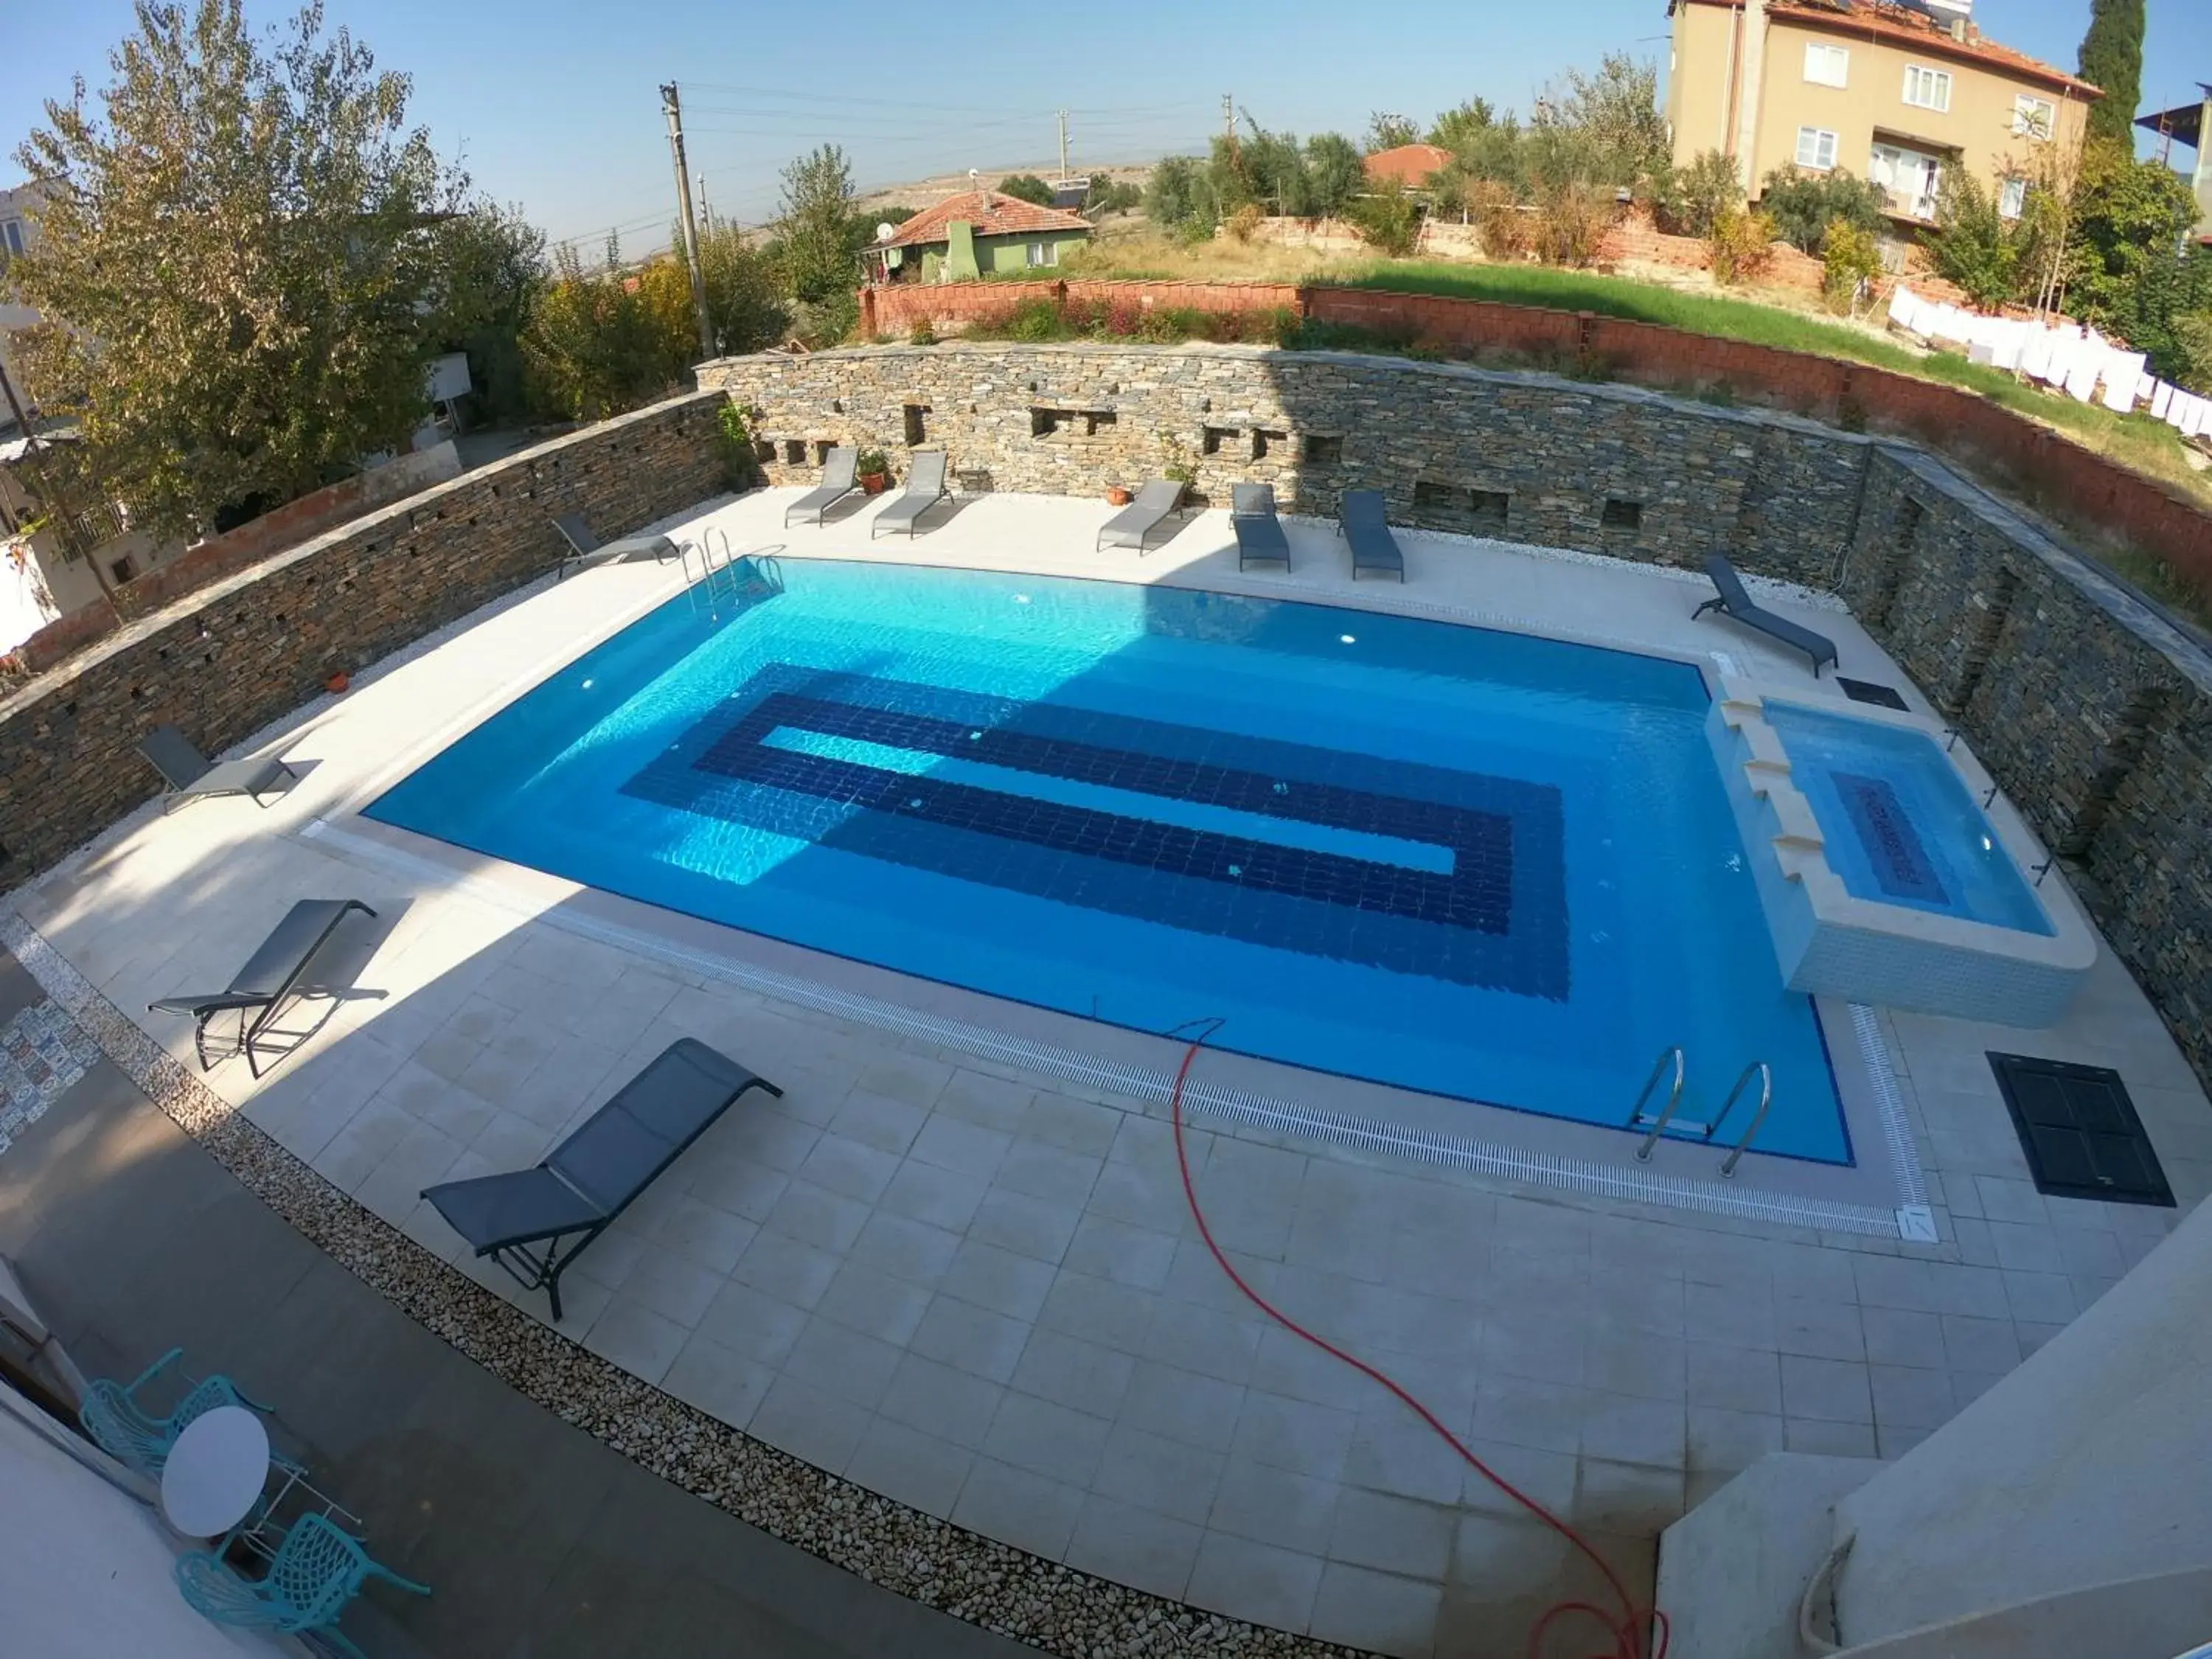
1816	149
1826	66
2034	118
1911	179
123	569
1044	254
2012	197
11	239
1927	89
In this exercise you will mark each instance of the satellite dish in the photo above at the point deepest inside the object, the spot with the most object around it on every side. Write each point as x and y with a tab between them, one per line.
974	177
884	233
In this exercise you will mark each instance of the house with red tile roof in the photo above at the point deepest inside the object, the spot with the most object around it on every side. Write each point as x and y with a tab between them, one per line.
978	232
1900	94
1410	167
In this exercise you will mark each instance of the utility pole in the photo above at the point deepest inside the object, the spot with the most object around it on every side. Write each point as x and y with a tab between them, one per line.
706	212
1229	117
674	112
1063	146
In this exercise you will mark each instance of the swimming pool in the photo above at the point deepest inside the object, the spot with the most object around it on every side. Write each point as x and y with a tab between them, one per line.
1901	827
1477	864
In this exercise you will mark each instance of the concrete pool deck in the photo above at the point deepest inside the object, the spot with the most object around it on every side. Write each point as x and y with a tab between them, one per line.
976	1289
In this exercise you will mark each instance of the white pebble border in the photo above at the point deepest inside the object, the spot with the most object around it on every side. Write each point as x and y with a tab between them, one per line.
1050	1607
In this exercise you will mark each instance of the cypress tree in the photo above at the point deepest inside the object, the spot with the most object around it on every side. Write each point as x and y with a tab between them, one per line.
2112	58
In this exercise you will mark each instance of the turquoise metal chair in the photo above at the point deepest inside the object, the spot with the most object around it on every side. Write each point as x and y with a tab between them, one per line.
317	1570
126	1428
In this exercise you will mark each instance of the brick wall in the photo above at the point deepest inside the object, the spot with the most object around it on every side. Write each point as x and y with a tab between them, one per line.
1076	419
230	658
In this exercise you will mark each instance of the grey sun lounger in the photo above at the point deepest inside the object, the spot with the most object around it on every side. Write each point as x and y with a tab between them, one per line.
1731	600
191	775
1260	538
271	975
584	547
1134	524
1360	521
925	487
594	1175
837	483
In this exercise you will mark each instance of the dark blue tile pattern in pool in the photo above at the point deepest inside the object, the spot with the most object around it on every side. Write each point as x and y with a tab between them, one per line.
1894	846
1498	919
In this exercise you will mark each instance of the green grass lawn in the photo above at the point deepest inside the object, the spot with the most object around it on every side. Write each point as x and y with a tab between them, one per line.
2135	440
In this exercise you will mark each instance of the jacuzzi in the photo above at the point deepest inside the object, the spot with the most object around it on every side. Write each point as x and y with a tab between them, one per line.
1883	879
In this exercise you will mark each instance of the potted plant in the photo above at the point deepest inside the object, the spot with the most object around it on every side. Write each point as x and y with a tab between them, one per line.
1118	495
874	471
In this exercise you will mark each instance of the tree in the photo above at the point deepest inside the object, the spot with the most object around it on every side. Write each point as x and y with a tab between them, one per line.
1456	128
1272	171
1617	110
1850	258
1180	197
1696	196
745	306
491	269
1334	173
595	347
1388	131
1741	245
1027	187
1974	246
2130	218
818	241
237	264
2111	58
1804	204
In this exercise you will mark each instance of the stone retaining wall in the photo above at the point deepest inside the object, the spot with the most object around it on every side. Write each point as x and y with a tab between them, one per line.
2090	705
228	659
1608	468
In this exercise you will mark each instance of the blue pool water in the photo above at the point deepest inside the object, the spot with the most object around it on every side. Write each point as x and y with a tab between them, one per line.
1482	865
1901	827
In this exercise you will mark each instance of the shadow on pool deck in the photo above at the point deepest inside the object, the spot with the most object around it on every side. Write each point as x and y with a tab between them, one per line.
538	1540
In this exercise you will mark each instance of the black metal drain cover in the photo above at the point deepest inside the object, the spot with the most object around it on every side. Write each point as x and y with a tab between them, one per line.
2080	1131
1882	697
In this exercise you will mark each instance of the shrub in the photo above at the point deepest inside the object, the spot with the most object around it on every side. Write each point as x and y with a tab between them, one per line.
924	332
1741	245
1572	222
1694	198
1033	319
1026	187
1852	259
735	441
1498	220
1388	221
1974	246
870	463
1182	197
1243	223
1802	205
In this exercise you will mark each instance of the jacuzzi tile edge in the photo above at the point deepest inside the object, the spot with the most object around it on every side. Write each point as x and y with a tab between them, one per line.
1625	1182
1913	955
1051	1607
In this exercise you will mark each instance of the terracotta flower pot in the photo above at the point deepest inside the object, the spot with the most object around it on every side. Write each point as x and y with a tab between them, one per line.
337	682
874	482
1117	496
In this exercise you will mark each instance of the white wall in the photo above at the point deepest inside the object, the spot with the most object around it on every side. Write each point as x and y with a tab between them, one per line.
85	1570
2086	1465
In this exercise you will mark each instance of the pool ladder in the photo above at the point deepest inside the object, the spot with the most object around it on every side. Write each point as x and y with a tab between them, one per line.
1639	1119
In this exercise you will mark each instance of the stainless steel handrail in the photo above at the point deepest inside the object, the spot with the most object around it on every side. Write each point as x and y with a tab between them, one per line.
1765	1099
1635	1118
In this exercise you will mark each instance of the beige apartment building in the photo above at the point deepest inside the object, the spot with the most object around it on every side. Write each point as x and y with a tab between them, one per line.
1898	94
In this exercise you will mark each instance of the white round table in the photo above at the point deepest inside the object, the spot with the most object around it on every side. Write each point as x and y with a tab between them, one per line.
216	1470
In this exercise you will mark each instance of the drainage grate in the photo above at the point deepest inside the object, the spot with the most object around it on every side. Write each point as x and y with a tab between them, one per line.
1881	696
2080	1131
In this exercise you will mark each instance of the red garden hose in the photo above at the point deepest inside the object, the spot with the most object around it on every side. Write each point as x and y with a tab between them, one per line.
1624	1629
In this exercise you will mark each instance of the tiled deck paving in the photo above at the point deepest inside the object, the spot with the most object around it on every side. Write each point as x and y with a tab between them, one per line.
979	1292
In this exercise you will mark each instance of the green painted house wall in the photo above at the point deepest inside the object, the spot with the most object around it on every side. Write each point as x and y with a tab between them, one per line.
966	256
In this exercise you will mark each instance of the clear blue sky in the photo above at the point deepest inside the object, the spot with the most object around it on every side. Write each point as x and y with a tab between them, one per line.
552	103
